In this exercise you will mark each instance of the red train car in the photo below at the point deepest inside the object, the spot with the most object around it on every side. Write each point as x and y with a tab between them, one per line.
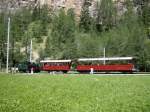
95	64
56	65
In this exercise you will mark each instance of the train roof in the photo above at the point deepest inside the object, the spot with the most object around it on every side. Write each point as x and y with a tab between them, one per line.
55	61
106	59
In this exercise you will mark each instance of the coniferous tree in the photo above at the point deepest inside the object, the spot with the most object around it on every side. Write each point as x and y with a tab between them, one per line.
85	18
146	16
3	34
106	15
61	40
19	23
143	9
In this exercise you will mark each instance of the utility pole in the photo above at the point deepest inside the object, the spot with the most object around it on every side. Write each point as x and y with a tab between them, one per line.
31	51
8	35
104	56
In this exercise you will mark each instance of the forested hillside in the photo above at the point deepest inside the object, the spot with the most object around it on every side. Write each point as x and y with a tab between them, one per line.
58	35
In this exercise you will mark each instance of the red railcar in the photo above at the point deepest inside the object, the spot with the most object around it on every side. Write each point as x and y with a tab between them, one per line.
95	64
56	65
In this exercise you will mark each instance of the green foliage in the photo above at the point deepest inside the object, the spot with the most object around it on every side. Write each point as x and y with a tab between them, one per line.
125	42
42	14
62	36
34	30
19	24
147	54
106	15
146	16
85	18
88	46
3	31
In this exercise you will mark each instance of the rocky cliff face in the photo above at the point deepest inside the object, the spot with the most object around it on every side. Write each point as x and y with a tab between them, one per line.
54	4
16	4
77	5
12	5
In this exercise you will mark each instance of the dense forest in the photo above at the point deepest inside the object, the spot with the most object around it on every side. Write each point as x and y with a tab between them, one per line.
59	35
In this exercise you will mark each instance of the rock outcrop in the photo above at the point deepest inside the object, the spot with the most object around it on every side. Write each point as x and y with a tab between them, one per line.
54	4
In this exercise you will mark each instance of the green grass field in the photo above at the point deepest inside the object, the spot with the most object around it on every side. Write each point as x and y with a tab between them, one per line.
75	93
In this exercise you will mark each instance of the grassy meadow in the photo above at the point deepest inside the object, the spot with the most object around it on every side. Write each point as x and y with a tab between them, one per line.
74	93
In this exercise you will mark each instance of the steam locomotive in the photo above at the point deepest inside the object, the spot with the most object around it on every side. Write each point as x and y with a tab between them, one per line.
82	65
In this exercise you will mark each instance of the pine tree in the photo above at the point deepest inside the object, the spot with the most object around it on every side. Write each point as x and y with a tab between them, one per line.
106	15
61	40
85	18
3	34
144	13
146	16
